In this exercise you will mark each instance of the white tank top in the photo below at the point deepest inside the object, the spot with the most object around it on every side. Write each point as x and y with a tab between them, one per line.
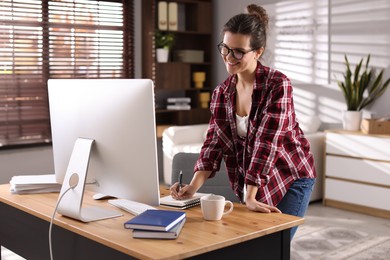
242	125
242	129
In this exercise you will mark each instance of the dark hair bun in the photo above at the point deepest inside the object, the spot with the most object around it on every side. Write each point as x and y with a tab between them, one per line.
258	12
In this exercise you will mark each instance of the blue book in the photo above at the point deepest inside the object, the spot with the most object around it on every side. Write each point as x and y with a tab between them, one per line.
155	219
173	233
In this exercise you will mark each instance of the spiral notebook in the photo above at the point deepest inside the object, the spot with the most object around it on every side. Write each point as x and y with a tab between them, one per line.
182	204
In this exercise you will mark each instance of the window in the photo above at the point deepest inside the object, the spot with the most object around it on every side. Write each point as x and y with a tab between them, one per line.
56	39
308	40
310	37
359	28
300	37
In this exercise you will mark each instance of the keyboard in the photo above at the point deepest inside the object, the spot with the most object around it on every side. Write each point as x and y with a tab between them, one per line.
131	206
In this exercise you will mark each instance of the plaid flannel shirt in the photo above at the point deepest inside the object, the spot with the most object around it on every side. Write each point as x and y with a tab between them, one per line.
274	152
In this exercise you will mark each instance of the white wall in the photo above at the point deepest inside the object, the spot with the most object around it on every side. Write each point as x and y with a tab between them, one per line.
382	105
223	11
27	161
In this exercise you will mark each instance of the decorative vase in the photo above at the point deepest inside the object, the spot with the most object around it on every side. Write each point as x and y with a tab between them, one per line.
352	120
204	99
162	54
199	78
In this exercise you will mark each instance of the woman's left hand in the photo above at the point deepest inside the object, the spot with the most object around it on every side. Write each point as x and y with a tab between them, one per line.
255	205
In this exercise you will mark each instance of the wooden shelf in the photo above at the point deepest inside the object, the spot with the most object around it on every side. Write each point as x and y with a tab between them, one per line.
182	117
173	78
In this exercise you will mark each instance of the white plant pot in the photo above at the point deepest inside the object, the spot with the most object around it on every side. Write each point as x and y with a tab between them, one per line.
162	55
352	120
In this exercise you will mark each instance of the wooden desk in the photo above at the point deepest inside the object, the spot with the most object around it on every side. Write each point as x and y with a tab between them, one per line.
25	222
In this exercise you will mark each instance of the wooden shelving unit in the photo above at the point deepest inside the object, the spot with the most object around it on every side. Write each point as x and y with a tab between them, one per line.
174	78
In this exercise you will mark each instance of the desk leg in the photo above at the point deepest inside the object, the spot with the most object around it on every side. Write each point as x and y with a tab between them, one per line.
272	246
286	244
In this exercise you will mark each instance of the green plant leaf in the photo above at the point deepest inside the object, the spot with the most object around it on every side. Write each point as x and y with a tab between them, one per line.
164	39
368	61
357	71
361	88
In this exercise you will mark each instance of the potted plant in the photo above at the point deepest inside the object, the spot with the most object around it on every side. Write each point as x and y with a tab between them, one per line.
360	89
164	41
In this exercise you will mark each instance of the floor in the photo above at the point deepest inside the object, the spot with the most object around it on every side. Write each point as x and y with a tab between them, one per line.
329	233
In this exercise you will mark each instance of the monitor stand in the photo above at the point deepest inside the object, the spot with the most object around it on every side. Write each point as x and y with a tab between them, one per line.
70	204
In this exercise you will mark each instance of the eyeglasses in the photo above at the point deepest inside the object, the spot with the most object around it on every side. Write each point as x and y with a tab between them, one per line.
236	53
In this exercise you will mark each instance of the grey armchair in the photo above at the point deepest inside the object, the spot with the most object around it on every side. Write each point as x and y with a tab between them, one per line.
219	184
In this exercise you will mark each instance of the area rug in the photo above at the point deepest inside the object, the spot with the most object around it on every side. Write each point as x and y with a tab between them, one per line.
337	243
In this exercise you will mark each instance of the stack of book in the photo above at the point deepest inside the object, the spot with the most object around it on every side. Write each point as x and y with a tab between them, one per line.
26	184
179	103
156	223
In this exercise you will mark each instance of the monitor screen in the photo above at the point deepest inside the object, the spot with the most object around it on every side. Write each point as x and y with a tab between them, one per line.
119	115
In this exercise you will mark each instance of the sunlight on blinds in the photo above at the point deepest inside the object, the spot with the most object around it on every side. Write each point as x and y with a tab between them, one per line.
360	28
21	65
301	40
92	45
20	42
42	39
308	42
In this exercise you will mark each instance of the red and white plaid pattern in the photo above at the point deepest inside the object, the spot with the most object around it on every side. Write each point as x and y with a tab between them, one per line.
275	151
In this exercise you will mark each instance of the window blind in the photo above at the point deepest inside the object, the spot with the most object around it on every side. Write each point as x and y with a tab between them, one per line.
359	28
300	38
311	37
56	39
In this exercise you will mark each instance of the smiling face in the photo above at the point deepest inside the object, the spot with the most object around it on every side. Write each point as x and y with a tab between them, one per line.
240	42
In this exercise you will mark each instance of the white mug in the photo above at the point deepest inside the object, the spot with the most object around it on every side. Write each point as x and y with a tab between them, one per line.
213	206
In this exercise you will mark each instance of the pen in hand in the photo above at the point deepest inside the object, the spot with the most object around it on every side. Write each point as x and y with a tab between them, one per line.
180	180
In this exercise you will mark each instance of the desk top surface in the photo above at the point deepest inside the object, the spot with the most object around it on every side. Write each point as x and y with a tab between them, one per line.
198	236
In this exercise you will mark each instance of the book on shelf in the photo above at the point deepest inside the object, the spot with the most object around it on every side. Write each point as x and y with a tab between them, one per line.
155	219
172	16
173	233
182	204
179	100
179	103
179	107
181	17
163	15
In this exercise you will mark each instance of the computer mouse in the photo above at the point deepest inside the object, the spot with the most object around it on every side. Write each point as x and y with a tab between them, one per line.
101	196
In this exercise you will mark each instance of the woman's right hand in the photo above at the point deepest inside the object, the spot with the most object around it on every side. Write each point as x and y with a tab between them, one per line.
185	192
188	191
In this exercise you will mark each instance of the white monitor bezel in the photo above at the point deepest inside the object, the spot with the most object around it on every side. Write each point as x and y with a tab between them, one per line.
119	114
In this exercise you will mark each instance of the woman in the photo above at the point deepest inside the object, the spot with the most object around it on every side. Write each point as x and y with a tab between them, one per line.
253	127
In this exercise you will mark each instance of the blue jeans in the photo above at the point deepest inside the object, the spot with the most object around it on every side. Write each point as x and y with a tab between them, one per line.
296	200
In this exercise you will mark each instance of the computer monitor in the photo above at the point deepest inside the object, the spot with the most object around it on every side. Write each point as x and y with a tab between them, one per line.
119	116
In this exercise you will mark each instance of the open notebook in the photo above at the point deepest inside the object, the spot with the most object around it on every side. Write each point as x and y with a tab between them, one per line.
182	204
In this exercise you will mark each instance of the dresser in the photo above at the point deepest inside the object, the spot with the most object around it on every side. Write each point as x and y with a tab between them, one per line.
357	172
